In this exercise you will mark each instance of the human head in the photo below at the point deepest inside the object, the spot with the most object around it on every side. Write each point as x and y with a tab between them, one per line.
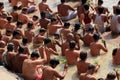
114	52
83	55
86	7
47	40
57	36
72	44
100	10
19	24
29	25
83	1
44	0
100	79
62	1
4	15
8	32
77	27
91	68
24	40
42	30
91	29
118	11
24	10
54	62
1	5
35	18
111	76
100	2
70	37
53	20
10	47
66	25
9	18
21	49
2	44
16	34
15	8
43	15
96	36
34	55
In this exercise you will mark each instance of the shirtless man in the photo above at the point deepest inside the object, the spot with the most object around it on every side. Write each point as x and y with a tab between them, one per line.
29	34
23	16
82	64
63	11
3	20
19	58
115	56
100	3
44	21
14	13
30	5
115	22
53	27
89	74
43	7
14	2
2	49
39	38
70	54
95	47
8	56
9	24
48	51
49	73
30	66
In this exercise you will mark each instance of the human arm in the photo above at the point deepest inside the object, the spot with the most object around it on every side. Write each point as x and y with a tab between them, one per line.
71	8
52	51
103	48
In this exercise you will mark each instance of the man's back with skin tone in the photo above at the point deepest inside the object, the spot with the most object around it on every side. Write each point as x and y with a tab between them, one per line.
2	22
49	73
64	8
25	3
95	47
14	2
30	65
82	65
70	54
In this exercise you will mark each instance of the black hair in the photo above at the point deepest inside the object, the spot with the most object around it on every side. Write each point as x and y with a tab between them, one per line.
119	2
16	32
114	52
72	44
19	23
56	34
43	15
35	54
29	25
117	11
83	55
86	7
77	27
66	24
111	75
100	1
24	9
42	30
10	47
9	18
1	4
91	29
62	1
15	8
47	40
96	36
24	40
53	19
21	49
100	79
91	66
35	16
54	62
83	1
8	31
100	10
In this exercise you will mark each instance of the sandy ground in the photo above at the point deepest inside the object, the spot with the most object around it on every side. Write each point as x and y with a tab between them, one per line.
104	60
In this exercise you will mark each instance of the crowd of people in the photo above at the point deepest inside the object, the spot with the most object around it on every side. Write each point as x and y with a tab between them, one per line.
27	43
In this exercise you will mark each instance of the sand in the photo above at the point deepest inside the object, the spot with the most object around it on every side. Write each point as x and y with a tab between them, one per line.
104	60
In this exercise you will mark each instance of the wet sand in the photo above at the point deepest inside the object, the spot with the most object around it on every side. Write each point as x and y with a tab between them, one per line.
104	60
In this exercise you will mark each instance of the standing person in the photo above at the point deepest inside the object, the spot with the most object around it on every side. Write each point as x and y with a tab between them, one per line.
115	22
100	20
71	54
100	4
43	7
49	73
30	66
63	11
95	47
89	74
82	64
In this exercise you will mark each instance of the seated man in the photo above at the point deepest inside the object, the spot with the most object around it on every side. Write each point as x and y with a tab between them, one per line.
111	76
82	65
49	73
70	54
89	74
116	55
63	11
30	66
95	47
